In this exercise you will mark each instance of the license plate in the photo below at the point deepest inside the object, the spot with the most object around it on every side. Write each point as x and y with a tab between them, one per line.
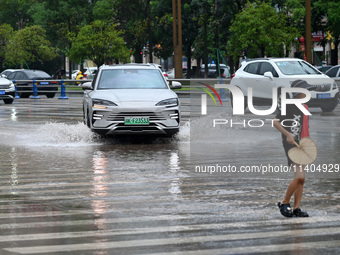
136	121
325	95
2	92
44	83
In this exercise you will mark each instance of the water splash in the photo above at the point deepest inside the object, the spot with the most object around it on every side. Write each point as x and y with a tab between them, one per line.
50	134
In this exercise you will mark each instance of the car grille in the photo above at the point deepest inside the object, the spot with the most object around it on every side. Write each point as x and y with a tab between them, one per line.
323	87
4	86
121	115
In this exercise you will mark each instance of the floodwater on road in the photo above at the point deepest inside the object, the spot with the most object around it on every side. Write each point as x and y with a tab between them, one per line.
65	190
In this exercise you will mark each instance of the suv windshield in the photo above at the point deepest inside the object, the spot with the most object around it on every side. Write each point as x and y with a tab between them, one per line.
295	68
131	79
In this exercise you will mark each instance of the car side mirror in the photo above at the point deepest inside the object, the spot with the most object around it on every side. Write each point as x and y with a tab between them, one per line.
87	86
4	76
268	75
176	85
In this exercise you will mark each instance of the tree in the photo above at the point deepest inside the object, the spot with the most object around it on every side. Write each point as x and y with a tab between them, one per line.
62	21
100	42
5	35
29	45
331	9
259	30
131	17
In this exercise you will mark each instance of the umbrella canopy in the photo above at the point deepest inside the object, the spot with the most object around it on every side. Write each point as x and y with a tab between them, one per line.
305	153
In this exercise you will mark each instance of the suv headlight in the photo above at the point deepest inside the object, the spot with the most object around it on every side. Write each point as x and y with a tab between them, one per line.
100	103
335	85
168	102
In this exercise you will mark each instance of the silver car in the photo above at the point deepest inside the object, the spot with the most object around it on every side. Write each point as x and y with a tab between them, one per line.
131	99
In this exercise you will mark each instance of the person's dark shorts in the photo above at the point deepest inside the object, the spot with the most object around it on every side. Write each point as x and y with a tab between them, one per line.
287	147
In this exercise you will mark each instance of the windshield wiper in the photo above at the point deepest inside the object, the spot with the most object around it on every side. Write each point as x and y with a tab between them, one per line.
303	68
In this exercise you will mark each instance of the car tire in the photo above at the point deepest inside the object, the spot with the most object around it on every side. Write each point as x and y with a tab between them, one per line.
8	101
88	120
328	108
50	95
23	95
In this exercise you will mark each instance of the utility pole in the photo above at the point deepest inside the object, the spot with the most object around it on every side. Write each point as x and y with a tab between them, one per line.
177	37
217	45
308	32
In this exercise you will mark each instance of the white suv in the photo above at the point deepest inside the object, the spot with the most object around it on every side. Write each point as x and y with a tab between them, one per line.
264	74
131	99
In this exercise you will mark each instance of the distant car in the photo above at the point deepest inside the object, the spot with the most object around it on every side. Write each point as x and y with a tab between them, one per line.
75	74
88	73
213	73
24	81
7	90
334	72
7	72
131	99
165	74
262	75
323	69
171	73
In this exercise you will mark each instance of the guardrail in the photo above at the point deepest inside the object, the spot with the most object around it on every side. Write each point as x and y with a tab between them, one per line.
72	86
47	87
65	86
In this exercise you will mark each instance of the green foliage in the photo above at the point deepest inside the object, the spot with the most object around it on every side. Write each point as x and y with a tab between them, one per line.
5	35
330	9
100	42
29	45
255	27
259	30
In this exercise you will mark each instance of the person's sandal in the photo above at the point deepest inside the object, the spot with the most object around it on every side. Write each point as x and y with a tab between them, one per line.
285	209
298	213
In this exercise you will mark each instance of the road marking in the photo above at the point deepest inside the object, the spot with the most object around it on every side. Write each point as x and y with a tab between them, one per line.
180	240
32	225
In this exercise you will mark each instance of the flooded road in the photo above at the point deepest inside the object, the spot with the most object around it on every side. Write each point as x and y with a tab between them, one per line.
65	190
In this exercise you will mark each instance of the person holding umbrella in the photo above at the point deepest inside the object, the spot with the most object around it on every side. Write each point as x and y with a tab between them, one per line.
296	128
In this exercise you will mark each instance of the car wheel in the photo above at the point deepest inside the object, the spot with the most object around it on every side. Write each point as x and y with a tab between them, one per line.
50	95
328	108
88	119
23	95
8	101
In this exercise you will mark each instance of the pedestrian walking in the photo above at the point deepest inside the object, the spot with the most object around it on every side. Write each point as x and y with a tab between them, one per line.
295	128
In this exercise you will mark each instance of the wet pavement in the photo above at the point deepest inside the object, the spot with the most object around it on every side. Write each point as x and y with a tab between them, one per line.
65	190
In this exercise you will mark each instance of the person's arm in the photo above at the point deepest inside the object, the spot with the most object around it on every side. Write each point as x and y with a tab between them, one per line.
289	136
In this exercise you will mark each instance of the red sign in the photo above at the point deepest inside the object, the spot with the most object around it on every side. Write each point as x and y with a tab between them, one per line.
318	36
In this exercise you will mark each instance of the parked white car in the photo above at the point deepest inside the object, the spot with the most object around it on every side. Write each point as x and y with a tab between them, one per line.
264	74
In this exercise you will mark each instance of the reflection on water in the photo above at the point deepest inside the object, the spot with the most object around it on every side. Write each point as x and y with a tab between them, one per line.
14	172
100	188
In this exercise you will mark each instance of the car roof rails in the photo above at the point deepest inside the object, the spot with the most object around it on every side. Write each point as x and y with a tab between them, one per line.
255	59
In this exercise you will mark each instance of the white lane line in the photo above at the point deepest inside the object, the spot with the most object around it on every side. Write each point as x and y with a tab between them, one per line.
177	240
274	248
243	224
122	182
